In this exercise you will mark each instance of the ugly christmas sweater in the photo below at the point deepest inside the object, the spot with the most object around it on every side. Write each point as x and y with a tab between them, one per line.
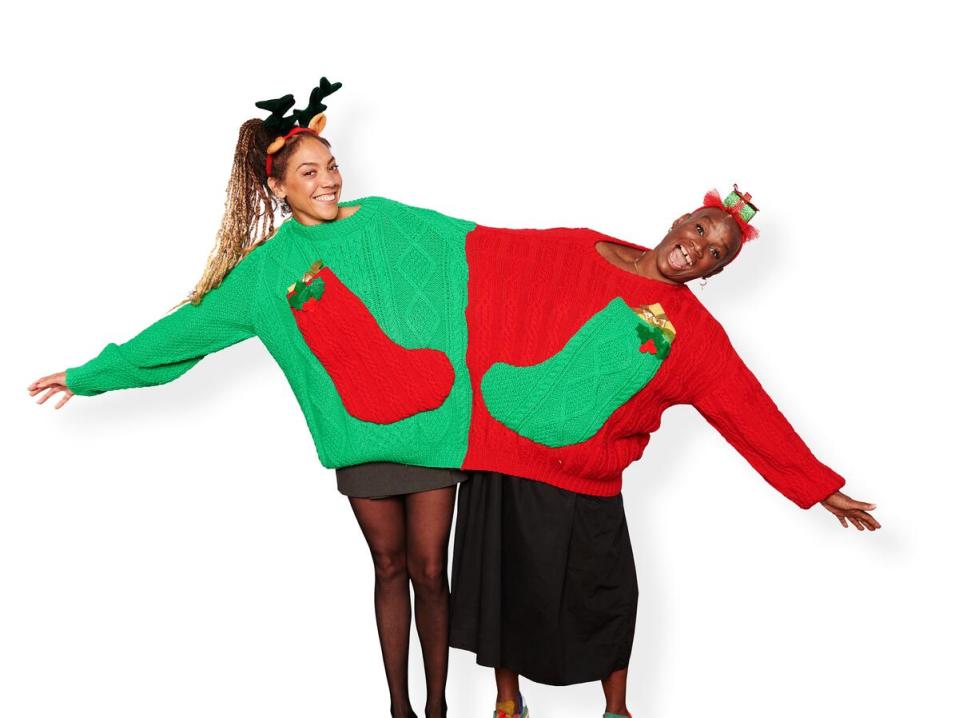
568	366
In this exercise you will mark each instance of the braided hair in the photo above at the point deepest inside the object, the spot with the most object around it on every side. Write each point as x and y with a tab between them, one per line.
250	208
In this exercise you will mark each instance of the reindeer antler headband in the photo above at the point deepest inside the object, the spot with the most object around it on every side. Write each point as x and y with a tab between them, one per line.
310	119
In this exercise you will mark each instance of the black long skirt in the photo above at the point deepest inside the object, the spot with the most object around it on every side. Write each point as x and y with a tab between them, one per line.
543	580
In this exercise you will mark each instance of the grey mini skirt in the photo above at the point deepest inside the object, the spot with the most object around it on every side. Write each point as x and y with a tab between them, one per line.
380	479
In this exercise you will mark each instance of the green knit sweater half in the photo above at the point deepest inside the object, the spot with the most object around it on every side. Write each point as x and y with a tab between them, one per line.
407	265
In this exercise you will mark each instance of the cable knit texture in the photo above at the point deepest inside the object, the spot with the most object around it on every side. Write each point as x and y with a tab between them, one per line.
377	379
407	266
529	292
567	398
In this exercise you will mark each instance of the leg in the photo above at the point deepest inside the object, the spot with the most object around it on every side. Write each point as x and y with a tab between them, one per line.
614	686
383	524
429	517
507	686
509	699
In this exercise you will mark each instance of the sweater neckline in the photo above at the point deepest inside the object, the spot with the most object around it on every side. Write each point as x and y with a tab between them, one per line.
624	273
330	230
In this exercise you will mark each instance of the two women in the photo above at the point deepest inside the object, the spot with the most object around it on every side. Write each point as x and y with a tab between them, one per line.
423	349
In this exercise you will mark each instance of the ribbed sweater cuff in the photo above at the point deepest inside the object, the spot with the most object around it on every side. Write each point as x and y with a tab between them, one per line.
78	382
86	379
830	484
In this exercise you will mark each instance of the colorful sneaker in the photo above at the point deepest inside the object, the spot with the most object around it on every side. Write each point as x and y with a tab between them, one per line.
508	709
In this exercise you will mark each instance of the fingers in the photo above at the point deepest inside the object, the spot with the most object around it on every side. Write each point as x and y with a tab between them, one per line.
852	510
55	389
868	520
45	381
50	392
50	385
39	384
860	519
846	503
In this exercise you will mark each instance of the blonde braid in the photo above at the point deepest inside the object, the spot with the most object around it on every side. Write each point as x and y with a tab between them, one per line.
248	215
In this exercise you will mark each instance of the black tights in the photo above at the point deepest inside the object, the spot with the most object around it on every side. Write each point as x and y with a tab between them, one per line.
408	538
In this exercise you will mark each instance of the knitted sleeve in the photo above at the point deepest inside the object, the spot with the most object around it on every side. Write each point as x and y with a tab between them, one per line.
170	347
735	403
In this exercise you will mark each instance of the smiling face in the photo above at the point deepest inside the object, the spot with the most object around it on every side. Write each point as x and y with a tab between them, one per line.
698	245
311	182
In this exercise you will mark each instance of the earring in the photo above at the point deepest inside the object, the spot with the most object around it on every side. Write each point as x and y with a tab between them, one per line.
702	284
284	206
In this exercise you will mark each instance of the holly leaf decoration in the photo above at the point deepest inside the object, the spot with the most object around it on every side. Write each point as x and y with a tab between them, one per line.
648	333
304	292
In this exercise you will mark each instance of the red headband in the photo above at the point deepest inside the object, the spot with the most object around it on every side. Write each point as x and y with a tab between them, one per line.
748	232
288	135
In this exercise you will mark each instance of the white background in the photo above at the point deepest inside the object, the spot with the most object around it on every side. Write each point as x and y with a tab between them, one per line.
179	551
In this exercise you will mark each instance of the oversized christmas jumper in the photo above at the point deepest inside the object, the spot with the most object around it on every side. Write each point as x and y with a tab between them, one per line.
412	337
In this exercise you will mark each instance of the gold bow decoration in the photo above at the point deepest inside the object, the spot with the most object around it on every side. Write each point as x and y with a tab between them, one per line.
655	315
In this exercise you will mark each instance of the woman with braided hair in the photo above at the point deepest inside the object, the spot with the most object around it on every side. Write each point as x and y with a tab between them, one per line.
399	487
577	343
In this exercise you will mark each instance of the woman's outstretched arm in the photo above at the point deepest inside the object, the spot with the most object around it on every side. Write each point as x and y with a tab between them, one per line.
168	348
735	403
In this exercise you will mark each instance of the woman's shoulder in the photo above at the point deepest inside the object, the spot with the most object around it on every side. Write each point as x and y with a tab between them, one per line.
276	249
266	247
706	325
387	206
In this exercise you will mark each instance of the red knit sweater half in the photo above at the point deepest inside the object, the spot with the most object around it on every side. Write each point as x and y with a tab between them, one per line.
529	291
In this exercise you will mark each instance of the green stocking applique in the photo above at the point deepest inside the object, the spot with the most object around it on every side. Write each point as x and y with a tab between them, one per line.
567	398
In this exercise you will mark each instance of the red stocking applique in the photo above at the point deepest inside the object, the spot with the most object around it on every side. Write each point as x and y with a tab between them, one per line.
378	380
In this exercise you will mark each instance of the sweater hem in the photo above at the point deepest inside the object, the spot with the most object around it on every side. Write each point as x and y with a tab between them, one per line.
577	485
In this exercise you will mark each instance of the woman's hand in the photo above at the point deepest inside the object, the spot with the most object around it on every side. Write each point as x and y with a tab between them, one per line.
845	508
53	384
